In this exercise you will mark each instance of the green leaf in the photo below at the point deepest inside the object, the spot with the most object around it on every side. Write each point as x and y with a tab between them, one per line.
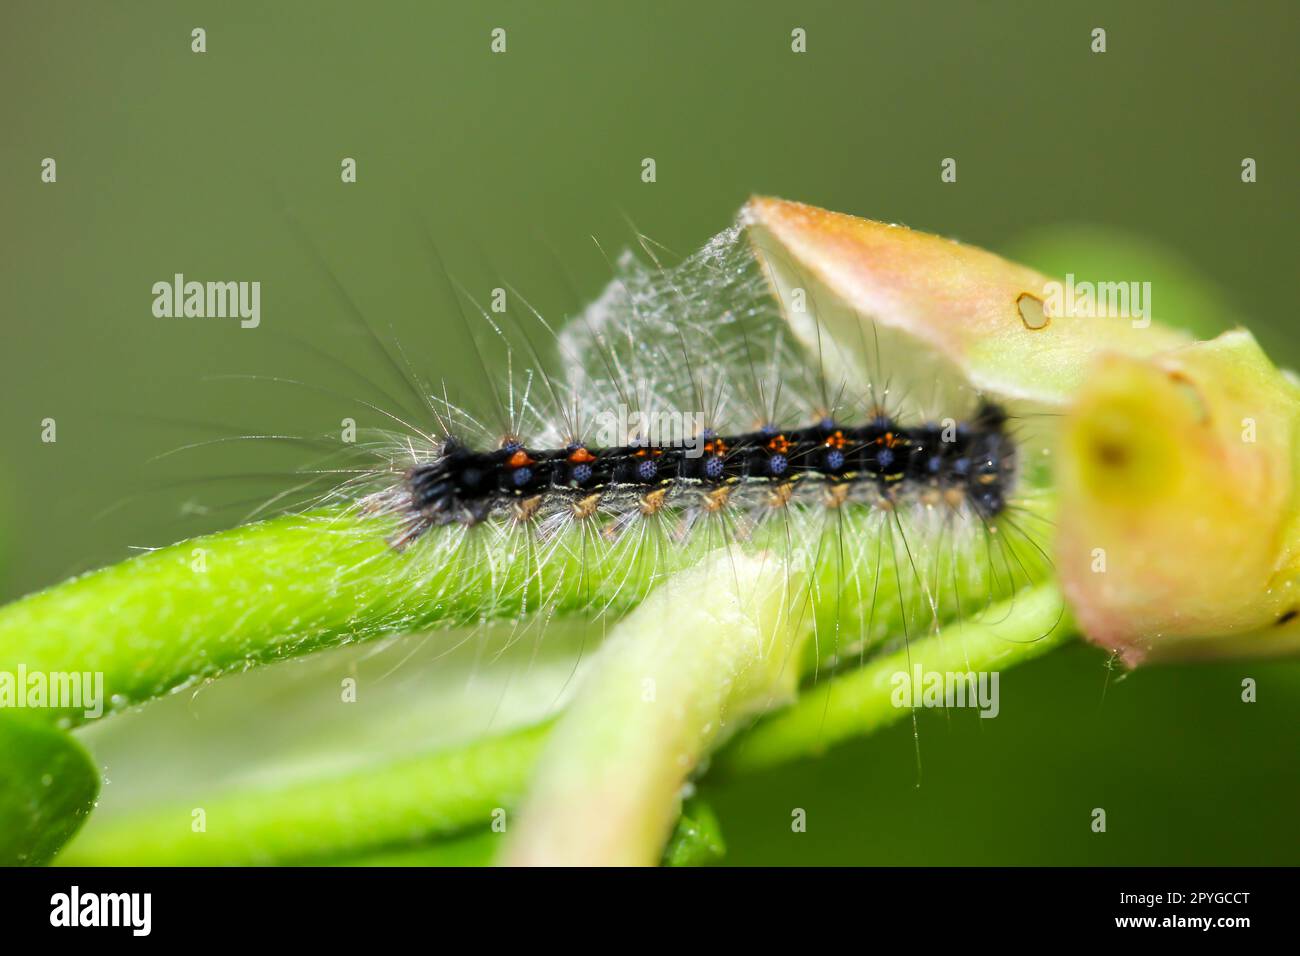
697	841
48	785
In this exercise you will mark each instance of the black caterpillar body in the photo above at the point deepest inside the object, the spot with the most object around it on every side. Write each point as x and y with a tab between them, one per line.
877	463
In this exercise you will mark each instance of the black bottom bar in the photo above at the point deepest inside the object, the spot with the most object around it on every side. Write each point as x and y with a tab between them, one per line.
935	906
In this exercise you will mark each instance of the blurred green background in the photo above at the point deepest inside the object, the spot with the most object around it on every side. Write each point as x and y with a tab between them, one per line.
171	161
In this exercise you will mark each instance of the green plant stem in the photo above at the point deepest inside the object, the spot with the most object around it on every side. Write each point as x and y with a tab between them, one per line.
862	701
268	591
447	793
200	608
366	811
709	649
292	585
297	584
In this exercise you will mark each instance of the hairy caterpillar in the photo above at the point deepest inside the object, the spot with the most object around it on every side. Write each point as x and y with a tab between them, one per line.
472	513
893	497
874	463
908	497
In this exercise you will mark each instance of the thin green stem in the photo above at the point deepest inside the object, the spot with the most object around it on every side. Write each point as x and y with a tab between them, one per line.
708	650
367	811
388	809
292	585
868	698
